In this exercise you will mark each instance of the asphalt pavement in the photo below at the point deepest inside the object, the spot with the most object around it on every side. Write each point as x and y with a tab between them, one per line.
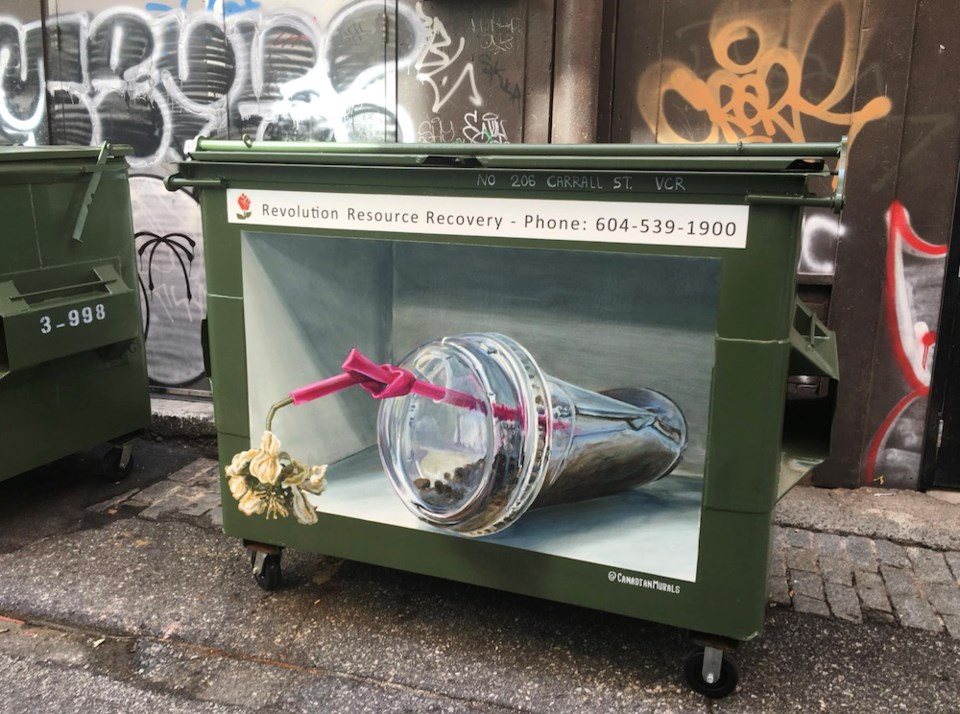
127	598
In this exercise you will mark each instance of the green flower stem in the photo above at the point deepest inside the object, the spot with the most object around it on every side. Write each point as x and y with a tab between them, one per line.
275	408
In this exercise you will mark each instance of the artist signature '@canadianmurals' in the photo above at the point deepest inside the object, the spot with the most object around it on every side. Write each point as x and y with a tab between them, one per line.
756	94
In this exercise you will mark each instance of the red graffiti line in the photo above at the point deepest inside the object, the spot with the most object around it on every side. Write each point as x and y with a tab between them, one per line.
900	235
899	231
881	436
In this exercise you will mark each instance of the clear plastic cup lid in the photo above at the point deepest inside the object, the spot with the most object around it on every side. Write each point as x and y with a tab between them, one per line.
473	461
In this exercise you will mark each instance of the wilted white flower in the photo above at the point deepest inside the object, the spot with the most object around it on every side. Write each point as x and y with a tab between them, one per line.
267	481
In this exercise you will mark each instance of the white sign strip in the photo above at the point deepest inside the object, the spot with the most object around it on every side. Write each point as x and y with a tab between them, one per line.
696	225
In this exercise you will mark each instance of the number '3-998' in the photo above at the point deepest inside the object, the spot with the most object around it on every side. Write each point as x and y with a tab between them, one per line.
75	318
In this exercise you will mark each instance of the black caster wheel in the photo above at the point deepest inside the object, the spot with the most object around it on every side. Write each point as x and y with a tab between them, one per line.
726	679
266	569
117	463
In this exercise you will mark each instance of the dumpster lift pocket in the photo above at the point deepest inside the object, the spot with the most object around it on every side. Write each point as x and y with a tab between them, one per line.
57	312
808	422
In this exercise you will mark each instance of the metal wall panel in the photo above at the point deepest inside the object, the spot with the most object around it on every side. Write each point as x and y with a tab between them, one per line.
689	71
23	115
475	73
918	225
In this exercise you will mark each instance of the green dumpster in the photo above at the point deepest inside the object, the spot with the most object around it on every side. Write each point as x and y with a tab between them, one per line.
72	367
555	370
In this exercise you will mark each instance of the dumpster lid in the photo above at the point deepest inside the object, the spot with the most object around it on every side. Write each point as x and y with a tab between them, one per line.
808	158
210	156
57	153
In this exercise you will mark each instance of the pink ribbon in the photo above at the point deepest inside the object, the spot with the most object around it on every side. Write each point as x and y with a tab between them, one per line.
385	381
380	381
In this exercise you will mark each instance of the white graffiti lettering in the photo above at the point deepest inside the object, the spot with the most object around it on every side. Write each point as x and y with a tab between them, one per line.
22	100
435	130
488	129
821	233
156	80
496	35
435	62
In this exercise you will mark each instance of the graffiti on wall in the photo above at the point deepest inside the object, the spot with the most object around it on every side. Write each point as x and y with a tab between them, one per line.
914	272
22	97
761	71
157	76
497	34
443	72
492	74
766	79
477	128
820	234
765	72
157	80
172	281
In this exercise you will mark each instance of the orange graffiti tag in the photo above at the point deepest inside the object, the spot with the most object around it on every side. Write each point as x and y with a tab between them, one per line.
753	98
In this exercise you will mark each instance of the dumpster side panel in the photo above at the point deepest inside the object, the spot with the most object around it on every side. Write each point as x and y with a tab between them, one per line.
22	407
49	413
107	230
746	425
759	282
228	363
109	387
21	249
728	599
221	248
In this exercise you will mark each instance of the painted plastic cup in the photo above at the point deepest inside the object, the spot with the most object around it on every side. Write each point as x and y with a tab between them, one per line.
532	440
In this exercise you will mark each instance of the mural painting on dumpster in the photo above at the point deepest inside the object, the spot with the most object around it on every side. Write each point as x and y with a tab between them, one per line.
443	400
157	76
912	290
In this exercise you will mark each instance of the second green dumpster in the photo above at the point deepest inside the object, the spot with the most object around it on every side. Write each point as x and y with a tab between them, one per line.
72	364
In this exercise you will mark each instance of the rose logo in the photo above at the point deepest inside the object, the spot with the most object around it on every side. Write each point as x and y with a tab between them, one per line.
244	202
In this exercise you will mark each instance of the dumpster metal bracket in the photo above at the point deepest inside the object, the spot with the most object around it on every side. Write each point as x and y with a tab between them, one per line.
174	182
839	195
813	345
712	659
265	562
711	669
813	352
94	183
126	455
834	202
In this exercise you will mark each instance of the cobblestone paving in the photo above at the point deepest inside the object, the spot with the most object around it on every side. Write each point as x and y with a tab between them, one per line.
855	578
849	577
193	491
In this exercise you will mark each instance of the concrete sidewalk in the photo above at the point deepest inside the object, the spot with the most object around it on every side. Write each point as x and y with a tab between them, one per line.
871	554
876	554
127	598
